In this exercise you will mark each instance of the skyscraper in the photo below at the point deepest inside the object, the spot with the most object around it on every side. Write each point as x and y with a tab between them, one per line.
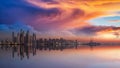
34	39
13	37
27	38
21	36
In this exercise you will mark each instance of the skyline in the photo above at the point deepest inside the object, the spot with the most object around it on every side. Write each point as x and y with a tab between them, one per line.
76	19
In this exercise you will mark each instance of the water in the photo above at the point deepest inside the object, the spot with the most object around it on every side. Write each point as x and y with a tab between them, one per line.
82	57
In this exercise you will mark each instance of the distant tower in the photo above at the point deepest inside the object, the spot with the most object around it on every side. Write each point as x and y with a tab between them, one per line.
76	43
27	38
34	39
13	37
21	37
18	38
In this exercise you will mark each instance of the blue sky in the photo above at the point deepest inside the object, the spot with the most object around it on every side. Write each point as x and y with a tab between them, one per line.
106	21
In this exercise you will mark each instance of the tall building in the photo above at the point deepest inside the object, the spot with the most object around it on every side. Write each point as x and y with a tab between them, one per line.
21	37
34	39
27	38
13	37
18	38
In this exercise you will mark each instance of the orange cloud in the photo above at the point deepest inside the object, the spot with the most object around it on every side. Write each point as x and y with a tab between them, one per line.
76	13
109	33
92	8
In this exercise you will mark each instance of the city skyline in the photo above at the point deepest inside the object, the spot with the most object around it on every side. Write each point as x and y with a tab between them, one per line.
28	38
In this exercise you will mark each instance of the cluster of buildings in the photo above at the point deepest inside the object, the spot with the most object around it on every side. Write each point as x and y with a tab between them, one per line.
23	43
21	38
28	43
26	38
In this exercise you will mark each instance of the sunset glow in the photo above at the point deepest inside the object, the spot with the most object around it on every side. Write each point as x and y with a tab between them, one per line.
62	18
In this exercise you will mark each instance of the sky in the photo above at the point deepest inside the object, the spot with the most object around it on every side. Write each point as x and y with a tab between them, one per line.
76	19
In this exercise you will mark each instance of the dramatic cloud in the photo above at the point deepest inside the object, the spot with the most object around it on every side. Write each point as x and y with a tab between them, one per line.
60	17
96	30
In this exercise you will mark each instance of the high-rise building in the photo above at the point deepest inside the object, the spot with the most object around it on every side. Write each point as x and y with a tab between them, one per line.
34	39
27	38
13	37
18	38
21	37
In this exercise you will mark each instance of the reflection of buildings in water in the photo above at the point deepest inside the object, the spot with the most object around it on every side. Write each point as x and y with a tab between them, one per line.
91	48
25	43
25	50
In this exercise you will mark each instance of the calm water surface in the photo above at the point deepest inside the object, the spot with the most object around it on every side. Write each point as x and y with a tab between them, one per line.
82	57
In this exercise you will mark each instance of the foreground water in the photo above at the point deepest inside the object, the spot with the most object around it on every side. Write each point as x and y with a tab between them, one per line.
82	57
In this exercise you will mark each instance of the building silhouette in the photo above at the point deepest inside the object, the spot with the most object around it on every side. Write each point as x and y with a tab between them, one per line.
24	42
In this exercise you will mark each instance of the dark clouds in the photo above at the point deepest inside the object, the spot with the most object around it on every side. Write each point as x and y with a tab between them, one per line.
40	18
92	30
13	10
77	13
50	1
